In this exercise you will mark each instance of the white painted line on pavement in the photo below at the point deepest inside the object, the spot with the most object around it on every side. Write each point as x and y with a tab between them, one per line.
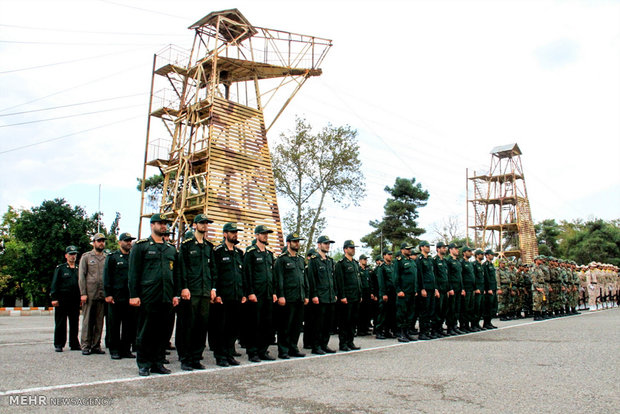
265	363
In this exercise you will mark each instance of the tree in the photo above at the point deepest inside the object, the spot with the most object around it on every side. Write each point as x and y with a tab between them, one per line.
153	189
548	236
450	230
308	169
399	218
595	240
40	236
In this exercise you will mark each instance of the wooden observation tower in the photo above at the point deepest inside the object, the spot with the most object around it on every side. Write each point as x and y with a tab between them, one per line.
207	128
500	206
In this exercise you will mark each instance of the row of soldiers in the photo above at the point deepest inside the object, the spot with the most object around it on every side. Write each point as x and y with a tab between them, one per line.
252	296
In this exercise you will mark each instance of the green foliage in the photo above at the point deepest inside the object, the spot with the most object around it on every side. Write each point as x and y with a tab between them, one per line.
548	233
37	239
153	188
595	240
399	219
310	168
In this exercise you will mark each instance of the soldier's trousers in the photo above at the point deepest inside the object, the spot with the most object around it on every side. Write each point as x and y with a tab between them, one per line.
192	328
323	316
441	311
122	327
466	315
405	311
347	314
363	320
386	319
453	309
152	334
92	323
490	306
426	306
477	308
291	317
68	308
225	329
503	300
309	325
259	326
554	297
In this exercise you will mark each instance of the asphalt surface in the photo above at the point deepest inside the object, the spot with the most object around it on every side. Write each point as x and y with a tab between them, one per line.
561	365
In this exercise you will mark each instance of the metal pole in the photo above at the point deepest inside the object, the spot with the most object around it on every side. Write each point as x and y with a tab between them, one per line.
467	206
99	211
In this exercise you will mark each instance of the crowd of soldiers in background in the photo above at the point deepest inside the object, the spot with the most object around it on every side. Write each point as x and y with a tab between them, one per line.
253	297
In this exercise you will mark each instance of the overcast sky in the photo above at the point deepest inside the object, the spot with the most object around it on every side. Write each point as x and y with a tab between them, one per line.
431	87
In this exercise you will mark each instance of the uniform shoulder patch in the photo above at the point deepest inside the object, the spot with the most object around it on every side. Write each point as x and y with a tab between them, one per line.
142	240
251	248
399	258
219	246
187	240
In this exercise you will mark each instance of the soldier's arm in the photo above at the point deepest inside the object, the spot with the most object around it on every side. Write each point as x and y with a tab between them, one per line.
339	280
54	286
279	278
108	273
311	274
398	284
381	281
83	267
306	287
184	268
135	271
248	280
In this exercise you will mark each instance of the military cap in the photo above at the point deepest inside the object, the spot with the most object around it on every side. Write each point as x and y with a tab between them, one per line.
348	243
159	218
386	251
441	244
71	250
378	258
489	251
202	218
465	249
294	237
325	239
478	251
99	236
261	229
452	246
125	237
363	256
423	243
230	227
405	245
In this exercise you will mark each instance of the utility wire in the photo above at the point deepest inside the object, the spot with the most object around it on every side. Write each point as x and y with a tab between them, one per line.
77	43
68	135
75	104
71	116
142	9
49	29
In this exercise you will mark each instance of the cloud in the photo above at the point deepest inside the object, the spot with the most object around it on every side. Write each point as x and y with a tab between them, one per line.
557	54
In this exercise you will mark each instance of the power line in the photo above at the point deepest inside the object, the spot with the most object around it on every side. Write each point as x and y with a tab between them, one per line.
68	135
77	43
143	9
49	29
76	104
73	87
68	61
71	116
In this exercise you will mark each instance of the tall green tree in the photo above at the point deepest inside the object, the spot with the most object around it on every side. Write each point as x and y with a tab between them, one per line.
153	188
39	238
595	240
399	223
311	168
548	236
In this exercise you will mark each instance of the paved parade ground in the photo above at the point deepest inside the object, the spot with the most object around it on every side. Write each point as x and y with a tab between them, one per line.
568	365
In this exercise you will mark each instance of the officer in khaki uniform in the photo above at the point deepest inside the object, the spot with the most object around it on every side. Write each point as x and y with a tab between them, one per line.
92	299
65	295
196	283
349	293
153	279
293	292
259	289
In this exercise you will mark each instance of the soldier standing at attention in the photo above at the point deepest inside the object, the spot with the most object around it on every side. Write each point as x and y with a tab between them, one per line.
467	322
153	276
386	324
479	292
503	292
349	293
229	296
320	274
456	291
65	295
406	286
490	288
116	291
196	291
363	321
292	291
258	270
441	281
92	299
428	291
